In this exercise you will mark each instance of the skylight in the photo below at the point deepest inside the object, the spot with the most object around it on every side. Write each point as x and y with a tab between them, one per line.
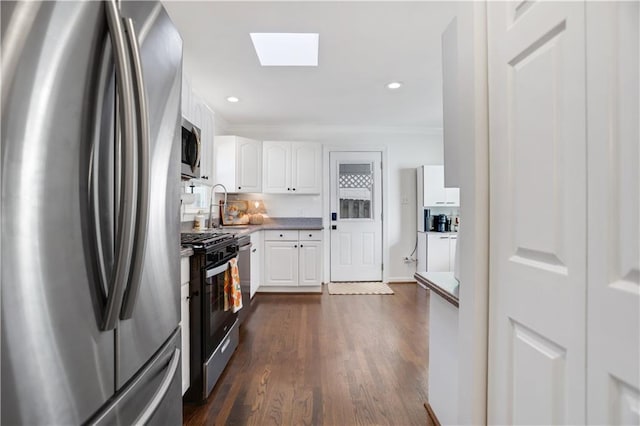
286	49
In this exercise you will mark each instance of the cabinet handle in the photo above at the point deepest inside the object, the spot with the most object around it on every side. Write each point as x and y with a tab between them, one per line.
254	250
301	246
295	246
444	238
294	189
310	235
239	187
280	235
288	189
439	202
451	202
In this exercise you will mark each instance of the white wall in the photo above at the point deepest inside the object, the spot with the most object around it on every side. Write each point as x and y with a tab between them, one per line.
406	149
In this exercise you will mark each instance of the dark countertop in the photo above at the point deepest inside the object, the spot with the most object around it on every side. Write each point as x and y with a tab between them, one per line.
274	223
442	283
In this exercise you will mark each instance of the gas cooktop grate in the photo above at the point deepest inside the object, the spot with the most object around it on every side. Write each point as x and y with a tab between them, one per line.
203	239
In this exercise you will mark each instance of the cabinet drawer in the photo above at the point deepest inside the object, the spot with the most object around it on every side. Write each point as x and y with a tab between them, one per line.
184	270
315	235
281	235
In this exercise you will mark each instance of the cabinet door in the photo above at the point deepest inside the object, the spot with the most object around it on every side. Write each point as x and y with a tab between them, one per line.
306	167
434	193
421	252
452	197
281	263
184	322
310	263
453	242
248	165
256	262
438	253
206	136
276	162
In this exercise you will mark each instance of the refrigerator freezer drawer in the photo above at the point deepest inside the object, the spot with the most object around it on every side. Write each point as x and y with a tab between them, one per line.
153	396
214	367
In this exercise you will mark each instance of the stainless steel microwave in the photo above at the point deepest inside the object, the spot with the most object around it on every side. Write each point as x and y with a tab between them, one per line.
191	151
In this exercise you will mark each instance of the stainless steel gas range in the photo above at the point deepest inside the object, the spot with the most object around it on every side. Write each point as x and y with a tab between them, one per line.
214	333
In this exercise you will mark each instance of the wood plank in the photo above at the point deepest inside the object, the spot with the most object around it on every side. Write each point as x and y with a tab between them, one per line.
317	359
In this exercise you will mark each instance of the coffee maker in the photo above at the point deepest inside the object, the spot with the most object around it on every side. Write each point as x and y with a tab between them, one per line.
440	223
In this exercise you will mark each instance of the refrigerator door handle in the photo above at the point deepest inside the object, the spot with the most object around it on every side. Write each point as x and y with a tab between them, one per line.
142	219
154	403
127	194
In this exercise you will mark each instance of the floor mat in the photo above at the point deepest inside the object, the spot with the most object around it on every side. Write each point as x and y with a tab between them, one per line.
359	288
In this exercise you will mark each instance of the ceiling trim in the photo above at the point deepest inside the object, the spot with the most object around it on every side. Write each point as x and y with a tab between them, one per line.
336	129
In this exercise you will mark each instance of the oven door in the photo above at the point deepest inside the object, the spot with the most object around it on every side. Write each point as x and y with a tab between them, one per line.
191	150
217	321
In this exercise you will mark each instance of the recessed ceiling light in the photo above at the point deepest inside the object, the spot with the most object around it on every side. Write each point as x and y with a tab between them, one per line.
286	49
233	99
394	85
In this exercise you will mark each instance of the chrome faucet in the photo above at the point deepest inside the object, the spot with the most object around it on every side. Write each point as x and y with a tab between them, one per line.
211	205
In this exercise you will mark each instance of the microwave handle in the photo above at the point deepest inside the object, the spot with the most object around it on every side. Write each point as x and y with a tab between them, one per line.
142	219
126	209
198	149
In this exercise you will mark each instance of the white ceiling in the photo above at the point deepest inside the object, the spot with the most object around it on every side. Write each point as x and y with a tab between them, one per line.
363	46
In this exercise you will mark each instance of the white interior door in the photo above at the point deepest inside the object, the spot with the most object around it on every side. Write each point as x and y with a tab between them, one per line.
537	324
356	206
613	310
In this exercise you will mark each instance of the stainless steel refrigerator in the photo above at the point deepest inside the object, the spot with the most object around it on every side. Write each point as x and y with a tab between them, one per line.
90	214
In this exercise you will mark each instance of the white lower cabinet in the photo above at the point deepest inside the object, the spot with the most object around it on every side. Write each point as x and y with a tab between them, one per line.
281	263
453	241
292	258
309	263
441	250
184	322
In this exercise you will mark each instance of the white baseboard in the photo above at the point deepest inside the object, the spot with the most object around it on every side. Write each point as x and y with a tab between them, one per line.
285	289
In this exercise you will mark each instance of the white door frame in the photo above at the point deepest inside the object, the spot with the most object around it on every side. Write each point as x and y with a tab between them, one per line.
326	201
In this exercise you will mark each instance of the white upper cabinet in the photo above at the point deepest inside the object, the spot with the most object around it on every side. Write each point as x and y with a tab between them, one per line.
292	167
238	163
306	165
200	115
276	167
205	123
434	192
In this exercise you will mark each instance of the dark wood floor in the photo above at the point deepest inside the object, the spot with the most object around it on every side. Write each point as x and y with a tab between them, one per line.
326	360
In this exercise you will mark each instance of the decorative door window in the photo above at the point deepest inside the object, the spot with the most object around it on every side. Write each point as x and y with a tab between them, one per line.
355	190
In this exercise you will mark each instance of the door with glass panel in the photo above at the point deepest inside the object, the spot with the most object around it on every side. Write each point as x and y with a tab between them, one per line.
356	216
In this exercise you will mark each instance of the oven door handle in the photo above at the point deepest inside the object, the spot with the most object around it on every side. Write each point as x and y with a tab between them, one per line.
245	247
217	270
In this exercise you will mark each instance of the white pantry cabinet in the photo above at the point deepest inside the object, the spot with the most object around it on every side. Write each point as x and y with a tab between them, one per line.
434	194
292	167
184	321
292	258
441	249
238	163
